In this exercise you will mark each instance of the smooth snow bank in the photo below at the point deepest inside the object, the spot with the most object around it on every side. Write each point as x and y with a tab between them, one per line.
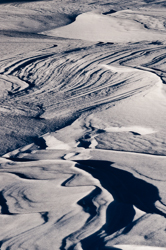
53	143
136	129
97	27
132	247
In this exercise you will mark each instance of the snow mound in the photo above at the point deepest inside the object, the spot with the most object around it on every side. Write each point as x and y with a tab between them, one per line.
93	26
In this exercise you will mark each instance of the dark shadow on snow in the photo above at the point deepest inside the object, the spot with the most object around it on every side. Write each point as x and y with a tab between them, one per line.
44	216
118	216
16	33
109	12
3	204
124	187
84	143
127	191
22	176
87	203
40	142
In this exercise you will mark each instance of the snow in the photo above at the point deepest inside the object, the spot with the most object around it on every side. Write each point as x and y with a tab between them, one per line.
83	139
94	26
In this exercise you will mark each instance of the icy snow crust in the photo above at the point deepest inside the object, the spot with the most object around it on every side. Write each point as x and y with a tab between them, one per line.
83	138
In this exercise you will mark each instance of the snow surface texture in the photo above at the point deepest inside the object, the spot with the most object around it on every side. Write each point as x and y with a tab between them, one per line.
83	139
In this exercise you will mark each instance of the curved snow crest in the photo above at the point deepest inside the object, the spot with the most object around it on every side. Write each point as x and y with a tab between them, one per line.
66	204
92	26
79	198
143	71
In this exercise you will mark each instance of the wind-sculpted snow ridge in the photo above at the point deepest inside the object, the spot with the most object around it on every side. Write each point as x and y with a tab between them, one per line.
64	190
84	77
45	216
71	197
57	82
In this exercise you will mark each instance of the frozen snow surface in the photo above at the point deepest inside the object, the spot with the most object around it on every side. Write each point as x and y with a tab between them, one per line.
83	125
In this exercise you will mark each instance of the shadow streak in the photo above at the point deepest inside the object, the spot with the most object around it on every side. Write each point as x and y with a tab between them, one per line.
124	187
109	12
127	190
3	204
88	206
118	216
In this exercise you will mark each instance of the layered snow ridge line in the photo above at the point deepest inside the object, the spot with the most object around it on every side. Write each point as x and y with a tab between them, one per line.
83	138
57	83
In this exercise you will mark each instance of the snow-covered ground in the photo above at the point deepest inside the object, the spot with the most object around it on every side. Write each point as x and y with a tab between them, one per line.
83	138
